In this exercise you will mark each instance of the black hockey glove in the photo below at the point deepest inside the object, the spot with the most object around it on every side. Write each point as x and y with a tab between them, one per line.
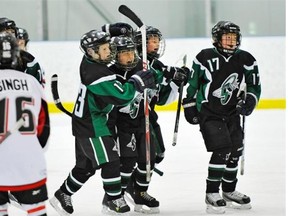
142	80
118	29
159	157
246	107
178	75
190	111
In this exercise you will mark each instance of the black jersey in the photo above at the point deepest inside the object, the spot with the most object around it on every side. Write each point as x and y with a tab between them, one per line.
216	80
99	91
28	64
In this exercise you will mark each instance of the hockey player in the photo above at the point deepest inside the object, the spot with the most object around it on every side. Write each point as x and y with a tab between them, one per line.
215	100
132	140
95	147
166	93
24	131
27	62
22	38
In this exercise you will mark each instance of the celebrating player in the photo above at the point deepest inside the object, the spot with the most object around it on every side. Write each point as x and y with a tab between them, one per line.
216	97
95	147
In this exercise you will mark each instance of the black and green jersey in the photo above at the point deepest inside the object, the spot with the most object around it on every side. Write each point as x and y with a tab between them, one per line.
216	79
28	64
99	91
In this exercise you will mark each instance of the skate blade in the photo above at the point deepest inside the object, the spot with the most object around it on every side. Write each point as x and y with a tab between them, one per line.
146	210
57	206
234	205
107	211
141	208
215	210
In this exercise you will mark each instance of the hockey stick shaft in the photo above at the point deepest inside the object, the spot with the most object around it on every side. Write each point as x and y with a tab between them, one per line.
242	161
243	90
55	95
133	17
175	134
16	127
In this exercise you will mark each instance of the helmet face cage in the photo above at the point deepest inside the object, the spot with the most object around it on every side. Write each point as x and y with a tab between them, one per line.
150	32
125	44
9	51
94	39
6	24
225	27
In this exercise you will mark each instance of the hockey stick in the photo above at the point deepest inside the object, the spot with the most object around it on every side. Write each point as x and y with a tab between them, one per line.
179	107
16	127
55	94
123	9
243	91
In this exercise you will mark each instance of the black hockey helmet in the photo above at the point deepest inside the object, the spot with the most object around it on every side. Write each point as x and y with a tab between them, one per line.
150	32
9	51
6	24
124	44
93	39
225	27
22	34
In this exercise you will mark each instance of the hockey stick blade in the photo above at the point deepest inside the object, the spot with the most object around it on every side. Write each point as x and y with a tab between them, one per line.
159	172
130	14
55	95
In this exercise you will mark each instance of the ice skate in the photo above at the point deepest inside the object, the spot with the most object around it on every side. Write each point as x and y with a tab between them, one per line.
143	202
62	203
237	200
215	203
115	207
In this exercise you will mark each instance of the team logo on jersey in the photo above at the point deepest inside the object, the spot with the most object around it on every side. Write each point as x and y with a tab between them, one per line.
226	90
35	192
132	143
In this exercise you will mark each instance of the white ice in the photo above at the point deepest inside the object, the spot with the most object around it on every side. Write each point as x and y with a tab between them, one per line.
181	190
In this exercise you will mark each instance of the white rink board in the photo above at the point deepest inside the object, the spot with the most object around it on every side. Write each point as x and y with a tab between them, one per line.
64	57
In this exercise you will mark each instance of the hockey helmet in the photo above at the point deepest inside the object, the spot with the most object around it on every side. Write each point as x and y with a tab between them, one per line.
125	44
150	32
93	39
9	51
225	27
7	24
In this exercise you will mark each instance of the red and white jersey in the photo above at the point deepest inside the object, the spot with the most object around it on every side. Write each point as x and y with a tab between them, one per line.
22	161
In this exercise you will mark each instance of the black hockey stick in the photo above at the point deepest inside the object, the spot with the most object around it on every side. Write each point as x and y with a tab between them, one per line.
123	9
242	94
179	106
58	103
55	94
16	127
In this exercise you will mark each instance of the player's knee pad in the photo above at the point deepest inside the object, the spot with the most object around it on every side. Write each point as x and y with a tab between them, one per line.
81	174
111	169
220	156
127	164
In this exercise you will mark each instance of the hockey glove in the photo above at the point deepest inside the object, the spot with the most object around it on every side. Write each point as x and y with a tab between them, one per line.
178	75
190	111
142	80
118	29
246	107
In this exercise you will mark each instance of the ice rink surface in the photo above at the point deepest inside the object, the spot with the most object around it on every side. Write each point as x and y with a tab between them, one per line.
181	190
